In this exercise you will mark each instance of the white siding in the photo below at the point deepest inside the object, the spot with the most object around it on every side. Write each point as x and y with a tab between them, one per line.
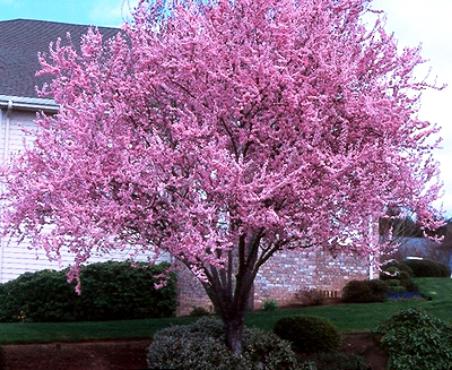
15	258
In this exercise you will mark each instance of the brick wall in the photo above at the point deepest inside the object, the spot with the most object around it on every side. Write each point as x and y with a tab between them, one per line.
283	276
289	272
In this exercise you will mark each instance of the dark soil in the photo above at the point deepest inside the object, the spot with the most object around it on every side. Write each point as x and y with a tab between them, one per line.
130	354
364	344
108	355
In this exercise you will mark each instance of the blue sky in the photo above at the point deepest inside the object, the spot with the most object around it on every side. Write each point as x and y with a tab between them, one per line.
413	22
97	12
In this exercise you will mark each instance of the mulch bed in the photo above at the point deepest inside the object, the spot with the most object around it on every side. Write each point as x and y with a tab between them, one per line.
130	354
364	344
99	355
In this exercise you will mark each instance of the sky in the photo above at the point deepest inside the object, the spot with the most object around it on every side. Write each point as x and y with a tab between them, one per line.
93	12
413	22
417	22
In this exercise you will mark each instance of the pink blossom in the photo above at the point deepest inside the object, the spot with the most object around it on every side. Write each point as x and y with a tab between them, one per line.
236	128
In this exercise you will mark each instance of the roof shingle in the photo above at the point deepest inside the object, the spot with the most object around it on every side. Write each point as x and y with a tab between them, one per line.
20	42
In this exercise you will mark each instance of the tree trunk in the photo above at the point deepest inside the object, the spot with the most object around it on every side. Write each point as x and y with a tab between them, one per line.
234	330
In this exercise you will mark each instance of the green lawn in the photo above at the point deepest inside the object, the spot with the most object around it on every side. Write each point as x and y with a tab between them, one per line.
347	317
366	316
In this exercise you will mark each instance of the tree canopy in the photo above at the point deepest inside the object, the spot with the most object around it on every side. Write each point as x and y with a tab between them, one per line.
227	128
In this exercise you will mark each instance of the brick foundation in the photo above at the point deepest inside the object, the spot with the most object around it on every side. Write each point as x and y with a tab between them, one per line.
282	277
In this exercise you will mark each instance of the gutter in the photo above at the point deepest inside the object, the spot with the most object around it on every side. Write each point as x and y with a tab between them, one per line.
2	242
28	104
5	160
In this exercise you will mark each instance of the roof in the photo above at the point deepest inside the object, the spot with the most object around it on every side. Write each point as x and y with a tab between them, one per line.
20	42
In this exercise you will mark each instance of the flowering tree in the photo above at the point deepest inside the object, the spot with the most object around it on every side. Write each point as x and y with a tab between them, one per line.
223	133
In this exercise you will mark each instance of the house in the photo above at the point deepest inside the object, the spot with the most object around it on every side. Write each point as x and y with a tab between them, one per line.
20	42
425	248
286	274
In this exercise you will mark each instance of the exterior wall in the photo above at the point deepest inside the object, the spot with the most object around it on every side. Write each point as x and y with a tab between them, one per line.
283	276
290	272
423	248
190	293
15	258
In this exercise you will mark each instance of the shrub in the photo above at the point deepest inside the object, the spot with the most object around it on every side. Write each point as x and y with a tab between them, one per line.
201	346
307	365
265	350
339	361
270	305
116	290
198	312
398	277
362	291
308	334
192	352
428	268
110	290
415	340
41	296
311	297
411	286
206	326
395	265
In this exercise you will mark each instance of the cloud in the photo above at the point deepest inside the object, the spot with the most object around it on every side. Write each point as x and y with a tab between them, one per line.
111	13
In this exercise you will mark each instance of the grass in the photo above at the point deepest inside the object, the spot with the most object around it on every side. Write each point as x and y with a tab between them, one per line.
347	317
359	317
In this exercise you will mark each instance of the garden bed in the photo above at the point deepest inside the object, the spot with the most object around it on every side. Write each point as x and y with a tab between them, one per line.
97	355
131	354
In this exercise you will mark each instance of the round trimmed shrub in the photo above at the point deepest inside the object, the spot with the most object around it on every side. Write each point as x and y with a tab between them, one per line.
192	352
201	345
428	268
265	350
364	291
415	340
308	334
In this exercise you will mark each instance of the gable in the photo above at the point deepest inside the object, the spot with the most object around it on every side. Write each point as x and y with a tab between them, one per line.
20	42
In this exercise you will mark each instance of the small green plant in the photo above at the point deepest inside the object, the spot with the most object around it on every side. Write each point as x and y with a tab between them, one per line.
270	305
415	340
308	334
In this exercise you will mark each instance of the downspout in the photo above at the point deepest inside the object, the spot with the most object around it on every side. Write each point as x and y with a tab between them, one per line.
5	161
6	147
374	241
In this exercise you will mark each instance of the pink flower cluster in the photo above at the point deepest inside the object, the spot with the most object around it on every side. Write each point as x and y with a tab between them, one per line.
201	125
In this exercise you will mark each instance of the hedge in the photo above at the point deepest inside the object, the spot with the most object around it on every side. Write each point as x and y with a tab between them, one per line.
110	291
428	268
